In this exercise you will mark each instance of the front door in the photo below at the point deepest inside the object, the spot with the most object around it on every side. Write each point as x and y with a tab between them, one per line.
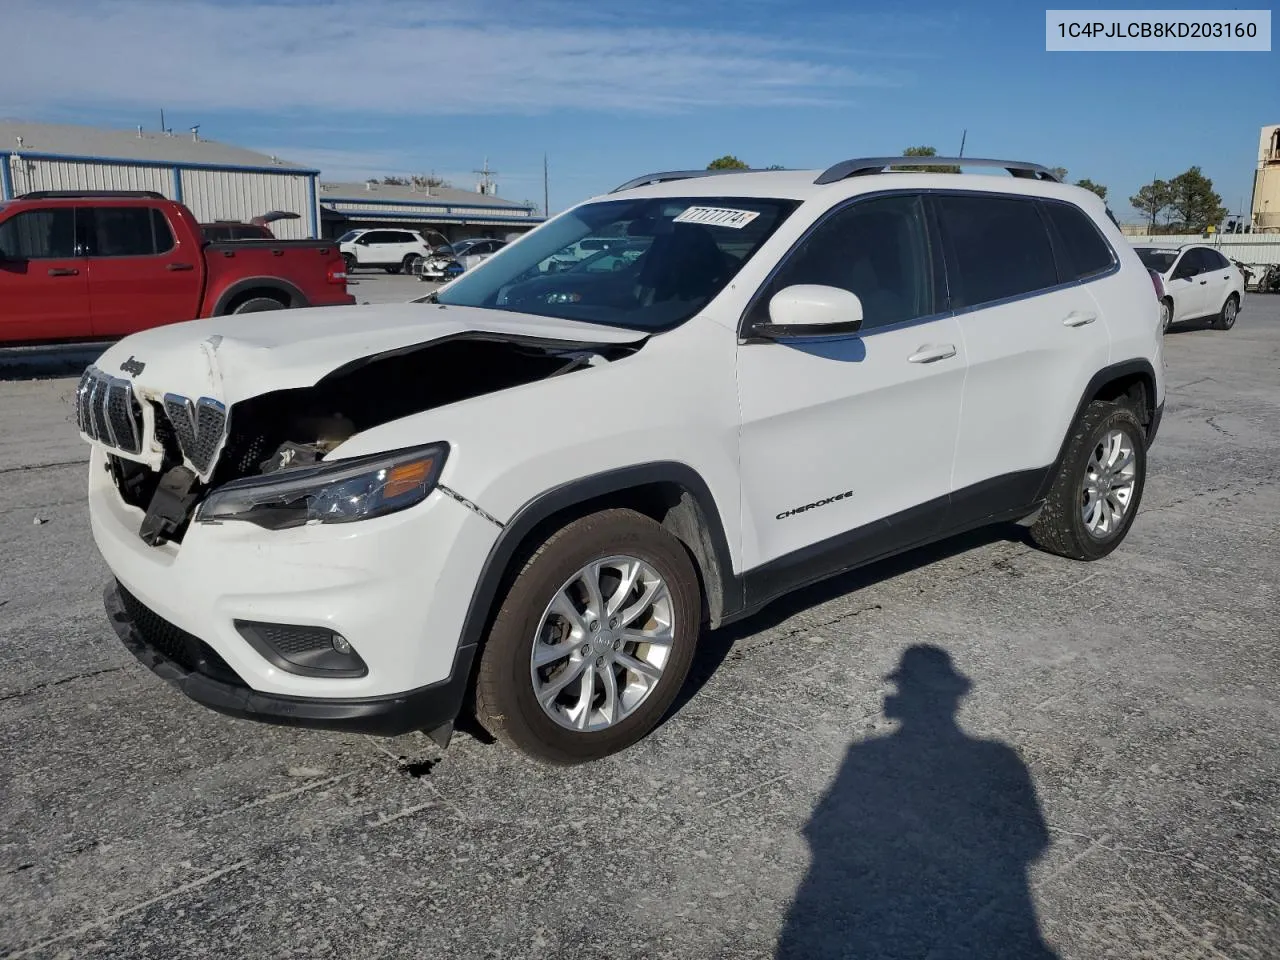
1187	286
139	276
847	442
44	289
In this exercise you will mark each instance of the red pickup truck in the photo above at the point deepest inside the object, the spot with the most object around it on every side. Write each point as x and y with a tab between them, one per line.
96	266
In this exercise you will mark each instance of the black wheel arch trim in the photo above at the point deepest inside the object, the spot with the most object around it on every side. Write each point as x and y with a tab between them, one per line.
295	296
1108	374
534	512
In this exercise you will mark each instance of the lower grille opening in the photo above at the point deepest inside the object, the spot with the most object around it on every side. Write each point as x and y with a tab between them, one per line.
188	651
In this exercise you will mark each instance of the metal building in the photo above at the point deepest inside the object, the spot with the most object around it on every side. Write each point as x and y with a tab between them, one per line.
457	214
218	182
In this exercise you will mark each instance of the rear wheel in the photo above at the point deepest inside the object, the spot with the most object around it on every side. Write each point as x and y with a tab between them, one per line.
1226	318
258	305
593	640
1096	493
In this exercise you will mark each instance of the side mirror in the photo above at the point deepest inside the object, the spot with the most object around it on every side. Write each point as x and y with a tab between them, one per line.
811	310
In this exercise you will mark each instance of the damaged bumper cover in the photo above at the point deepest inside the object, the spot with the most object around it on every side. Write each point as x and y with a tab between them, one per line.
195	669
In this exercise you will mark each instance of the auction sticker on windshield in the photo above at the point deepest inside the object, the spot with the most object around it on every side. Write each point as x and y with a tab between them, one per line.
717	217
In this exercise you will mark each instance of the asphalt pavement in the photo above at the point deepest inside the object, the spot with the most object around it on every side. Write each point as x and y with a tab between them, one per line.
1080	760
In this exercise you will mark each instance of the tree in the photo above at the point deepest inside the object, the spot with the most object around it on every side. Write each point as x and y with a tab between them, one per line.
1097	188
1193	201
395	181
1059	172
927	152
428	181
727	162
1153	200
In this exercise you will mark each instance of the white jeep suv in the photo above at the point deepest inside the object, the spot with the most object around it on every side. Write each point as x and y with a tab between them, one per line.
528	492
392	250
1199	283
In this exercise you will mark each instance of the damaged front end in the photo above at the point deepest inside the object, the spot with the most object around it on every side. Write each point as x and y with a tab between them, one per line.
168	453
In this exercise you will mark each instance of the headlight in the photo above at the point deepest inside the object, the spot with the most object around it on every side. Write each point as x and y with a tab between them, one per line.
338	492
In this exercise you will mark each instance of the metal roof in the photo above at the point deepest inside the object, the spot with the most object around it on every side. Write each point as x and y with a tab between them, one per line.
152	147
382	192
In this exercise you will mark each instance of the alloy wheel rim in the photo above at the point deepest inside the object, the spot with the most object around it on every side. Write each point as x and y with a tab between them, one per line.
1110	479
1229	312
602	644
1166	316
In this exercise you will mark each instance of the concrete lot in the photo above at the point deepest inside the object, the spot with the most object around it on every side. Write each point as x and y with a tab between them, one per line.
1114	781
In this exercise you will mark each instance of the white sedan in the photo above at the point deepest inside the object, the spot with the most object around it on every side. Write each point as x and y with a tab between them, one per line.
1199	283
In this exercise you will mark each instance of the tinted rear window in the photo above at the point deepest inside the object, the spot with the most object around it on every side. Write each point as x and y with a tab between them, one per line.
999	248
39	235
1084	251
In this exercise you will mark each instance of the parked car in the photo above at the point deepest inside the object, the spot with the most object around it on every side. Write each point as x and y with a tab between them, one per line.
529	491
384	248
453	259
93	266
1199	283
255	229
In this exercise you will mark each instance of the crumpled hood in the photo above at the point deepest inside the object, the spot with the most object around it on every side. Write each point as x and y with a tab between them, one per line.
235	357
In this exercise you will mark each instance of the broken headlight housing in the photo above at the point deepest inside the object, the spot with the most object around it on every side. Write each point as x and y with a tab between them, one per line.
337	492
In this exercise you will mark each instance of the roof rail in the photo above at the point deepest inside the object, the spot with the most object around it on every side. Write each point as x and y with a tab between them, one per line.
669	175
862	166
74	194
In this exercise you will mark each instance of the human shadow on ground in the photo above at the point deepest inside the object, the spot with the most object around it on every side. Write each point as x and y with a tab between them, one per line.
922	845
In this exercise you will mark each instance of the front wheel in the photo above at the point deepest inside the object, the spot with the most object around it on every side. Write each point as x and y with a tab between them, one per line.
1096	493
593	640
412	263
1166	315
1226	318
349	262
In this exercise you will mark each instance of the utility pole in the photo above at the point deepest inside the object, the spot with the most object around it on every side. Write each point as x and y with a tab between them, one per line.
162	119
963	137
546	192
486	179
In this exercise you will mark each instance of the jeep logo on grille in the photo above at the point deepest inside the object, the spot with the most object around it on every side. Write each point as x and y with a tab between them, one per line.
132	367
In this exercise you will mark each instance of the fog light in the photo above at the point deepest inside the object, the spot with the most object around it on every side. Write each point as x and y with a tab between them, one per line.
340	644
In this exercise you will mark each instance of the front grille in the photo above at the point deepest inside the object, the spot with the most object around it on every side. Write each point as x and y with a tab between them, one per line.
107	411
199	427
188	651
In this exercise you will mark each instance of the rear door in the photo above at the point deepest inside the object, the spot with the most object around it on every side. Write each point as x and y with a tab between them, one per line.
1034	336
139	275
44	289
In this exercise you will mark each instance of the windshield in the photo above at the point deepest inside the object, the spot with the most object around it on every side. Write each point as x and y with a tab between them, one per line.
1158	260
349	236
644	264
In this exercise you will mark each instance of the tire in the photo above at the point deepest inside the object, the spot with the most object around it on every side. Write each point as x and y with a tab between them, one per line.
1166	314
1226	318
259	305
1062	527
349	262
410	264
391	269
506	702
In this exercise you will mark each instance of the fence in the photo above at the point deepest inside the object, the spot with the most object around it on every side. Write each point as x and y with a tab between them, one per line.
1245	247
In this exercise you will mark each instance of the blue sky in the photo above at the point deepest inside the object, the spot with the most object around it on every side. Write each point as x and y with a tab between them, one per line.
609	91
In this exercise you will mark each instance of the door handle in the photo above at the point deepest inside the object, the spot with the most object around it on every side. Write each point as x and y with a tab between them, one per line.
929	353
178	266
63	272
1203	282
1077	319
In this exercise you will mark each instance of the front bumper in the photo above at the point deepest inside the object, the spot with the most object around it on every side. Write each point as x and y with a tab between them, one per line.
196	669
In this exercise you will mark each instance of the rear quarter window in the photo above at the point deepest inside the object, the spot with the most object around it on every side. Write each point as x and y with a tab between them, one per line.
1082	250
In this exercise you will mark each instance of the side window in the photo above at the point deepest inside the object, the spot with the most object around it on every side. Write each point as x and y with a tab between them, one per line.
1216	260
1083	248
128	232
39	235
999	247
161	232
1190	265
878	249
374	236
